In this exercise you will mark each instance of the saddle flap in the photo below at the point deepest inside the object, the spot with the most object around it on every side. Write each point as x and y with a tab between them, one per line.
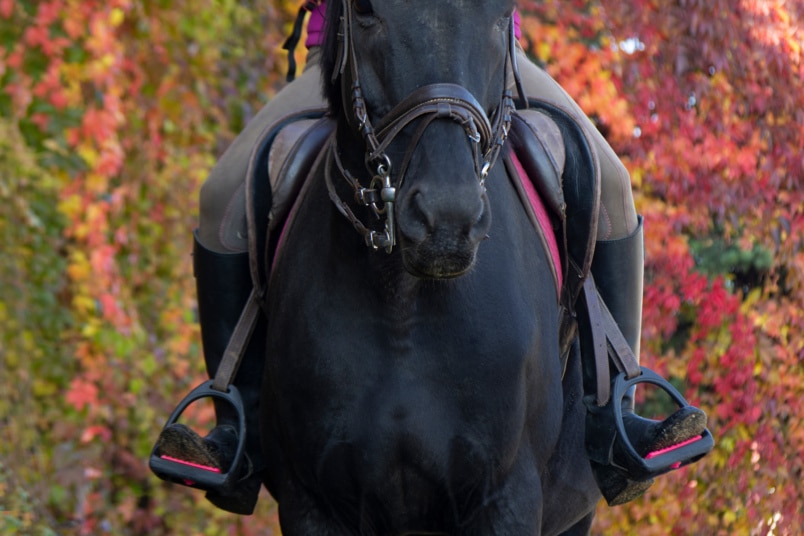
558	159
290	158
540	148
579	183
563	165
278	166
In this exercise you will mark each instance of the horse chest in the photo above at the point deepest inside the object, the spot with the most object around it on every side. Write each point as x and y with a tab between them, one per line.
412	395
410	398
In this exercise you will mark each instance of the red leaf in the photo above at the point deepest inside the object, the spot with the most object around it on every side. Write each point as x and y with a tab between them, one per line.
92	432
6	8
81	394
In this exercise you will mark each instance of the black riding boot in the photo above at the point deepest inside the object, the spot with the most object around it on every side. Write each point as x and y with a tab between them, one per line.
223	283
618	269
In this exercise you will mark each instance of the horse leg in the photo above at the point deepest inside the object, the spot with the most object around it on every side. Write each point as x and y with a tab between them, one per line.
514	509
573	494
582	527
300	515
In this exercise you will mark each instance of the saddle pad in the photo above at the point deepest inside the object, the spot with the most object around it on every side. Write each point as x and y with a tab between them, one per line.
542	218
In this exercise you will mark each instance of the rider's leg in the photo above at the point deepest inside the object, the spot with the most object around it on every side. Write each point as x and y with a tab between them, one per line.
618	269
222	221
618	217
223	283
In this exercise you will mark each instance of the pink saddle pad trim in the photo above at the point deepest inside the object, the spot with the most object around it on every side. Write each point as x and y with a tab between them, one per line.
542	217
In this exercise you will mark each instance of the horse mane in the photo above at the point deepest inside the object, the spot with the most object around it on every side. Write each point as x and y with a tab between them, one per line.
331	88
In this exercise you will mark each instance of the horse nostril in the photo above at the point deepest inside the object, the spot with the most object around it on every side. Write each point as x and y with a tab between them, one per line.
452	217
479	227
423	212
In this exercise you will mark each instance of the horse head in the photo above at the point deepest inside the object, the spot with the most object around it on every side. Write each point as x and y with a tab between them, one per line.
422	120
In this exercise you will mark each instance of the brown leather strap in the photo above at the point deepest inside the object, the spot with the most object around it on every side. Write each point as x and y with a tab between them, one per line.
593	308
607	342
443	100
619	350
227	370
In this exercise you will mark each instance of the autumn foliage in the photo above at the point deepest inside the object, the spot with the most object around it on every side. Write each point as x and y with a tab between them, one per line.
703	101
112	113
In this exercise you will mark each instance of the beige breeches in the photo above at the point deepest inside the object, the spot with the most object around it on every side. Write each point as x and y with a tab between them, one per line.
222	225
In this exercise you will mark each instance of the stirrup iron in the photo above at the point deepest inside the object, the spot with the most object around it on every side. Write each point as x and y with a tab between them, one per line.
197	476
222	388
654	464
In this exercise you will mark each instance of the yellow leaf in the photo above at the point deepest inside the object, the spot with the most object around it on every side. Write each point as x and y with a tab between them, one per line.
88	154
116	17
90	329
44	388
543	50
96	183
83	304
70	206
79	269
636	177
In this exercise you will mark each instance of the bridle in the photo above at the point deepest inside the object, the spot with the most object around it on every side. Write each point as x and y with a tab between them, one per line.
428	103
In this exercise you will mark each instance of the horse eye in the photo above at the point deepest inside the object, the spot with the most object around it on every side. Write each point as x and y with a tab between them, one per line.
363	7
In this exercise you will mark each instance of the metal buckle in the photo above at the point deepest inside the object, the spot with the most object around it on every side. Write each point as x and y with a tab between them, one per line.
193	476
642	468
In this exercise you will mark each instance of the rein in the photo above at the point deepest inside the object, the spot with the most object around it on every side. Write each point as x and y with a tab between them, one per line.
428	103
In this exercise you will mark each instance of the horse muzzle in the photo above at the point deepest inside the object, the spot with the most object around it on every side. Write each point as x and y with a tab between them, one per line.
440	230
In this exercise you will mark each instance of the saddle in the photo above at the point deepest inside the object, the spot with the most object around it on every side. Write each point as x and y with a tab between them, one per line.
559	164
544	137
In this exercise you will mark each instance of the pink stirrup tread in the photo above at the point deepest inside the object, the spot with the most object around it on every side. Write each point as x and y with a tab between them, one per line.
191	464
671	448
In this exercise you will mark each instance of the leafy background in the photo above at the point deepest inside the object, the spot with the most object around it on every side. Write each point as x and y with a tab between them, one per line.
113	112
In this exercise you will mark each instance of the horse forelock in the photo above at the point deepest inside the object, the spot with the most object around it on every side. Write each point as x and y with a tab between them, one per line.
431	24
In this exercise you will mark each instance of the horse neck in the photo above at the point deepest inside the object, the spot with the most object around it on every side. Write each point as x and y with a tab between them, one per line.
351	147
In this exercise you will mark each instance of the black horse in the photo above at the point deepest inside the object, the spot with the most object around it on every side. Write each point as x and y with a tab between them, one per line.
418	389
